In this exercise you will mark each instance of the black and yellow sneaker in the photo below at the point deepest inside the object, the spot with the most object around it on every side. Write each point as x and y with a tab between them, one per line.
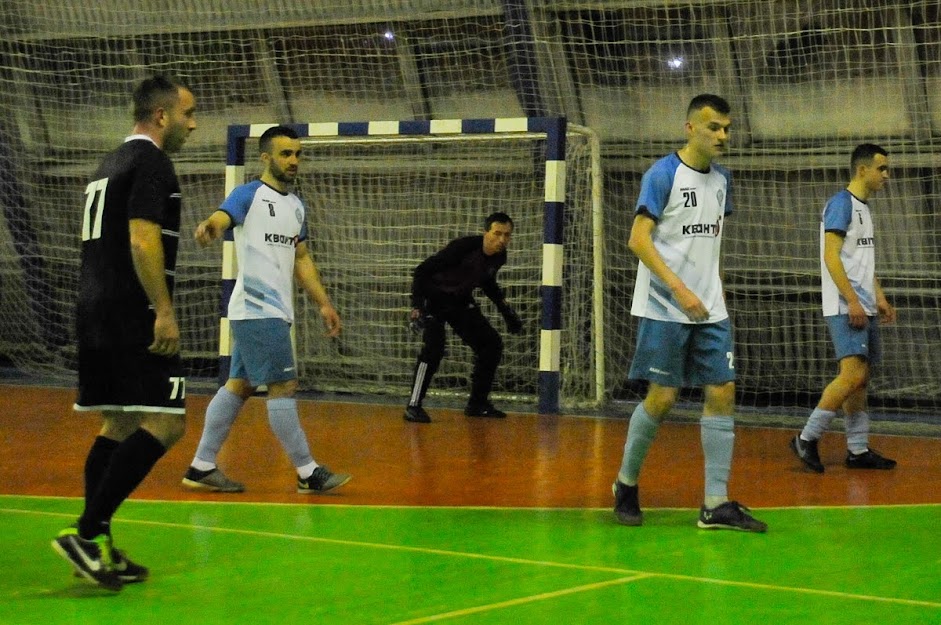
128	571
91	558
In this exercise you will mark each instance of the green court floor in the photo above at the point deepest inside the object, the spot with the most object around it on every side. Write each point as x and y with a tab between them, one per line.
239	563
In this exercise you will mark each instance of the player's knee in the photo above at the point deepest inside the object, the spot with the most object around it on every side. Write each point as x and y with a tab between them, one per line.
166	428
659	401
284	388
720	400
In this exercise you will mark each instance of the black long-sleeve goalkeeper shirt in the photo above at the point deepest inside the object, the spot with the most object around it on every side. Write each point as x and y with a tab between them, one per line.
449	277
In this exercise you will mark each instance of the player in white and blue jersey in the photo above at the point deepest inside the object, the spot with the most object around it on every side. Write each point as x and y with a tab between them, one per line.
685	337
270	230
853	304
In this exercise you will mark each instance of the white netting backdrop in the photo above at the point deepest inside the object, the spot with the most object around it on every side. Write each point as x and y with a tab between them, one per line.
807	80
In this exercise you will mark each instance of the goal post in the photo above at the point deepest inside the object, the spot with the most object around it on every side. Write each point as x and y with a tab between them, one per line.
383	195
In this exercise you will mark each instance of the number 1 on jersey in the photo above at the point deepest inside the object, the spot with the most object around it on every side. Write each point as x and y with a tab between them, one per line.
94	197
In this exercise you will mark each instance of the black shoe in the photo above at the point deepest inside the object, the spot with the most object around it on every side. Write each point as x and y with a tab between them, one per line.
213	480
321	481
807	452
869	459
128	572
730	515
416	414
626	504
485	409
91	558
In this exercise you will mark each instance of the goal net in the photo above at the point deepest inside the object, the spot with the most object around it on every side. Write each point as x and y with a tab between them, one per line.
380	201
807	82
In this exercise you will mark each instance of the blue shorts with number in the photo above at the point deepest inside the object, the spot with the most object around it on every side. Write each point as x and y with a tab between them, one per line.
263	352
850	341
680	355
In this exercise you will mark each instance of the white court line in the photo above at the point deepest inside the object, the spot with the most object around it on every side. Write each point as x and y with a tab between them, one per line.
210	502
520	601
510	560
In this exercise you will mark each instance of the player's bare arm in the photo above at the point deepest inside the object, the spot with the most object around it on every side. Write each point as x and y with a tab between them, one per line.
832	244
147	255
212	228
307	275
641	244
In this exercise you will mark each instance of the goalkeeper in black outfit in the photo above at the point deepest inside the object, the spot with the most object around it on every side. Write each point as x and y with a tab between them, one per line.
443	293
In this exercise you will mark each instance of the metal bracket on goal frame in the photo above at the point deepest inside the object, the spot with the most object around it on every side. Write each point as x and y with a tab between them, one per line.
550	343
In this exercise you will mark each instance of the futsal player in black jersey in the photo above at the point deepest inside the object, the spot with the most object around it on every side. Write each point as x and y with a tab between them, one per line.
443	293
129	367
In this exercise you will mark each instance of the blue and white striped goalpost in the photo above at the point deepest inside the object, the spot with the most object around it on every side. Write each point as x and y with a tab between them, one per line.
554	128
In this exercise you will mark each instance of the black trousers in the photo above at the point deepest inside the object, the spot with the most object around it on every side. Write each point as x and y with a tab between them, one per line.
476	332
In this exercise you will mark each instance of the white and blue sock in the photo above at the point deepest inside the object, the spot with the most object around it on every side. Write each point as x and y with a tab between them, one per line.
282	416
857	432
220	415
718	440
817	424
640	435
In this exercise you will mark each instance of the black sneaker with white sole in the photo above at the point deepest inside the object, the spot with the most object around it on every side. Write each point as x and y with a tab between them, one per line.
730	515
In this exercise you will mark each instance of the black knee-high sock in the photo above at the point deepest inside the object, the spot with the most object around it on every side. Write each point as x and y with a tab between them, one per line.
99	457
130	464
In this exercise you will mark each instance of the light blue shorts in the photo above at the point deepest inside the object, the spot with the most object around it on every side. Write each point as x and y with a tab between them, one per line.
262	353
681	355
850	341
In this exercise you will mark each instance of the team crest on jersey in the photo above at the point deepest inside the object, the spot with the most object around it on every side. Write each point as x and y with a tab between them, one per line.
299	215
720	197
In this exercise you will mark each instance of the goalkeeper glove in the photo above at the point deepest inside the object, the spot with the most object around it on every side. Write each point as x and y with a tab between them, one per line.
514	324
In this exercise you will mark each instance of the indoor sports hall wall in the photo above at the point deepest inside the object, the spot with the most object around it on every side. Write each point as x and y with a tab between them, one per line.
808	80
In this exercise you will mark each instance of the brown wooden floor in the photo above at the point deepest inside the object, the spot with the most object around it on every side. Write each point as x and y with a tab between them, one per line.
526	460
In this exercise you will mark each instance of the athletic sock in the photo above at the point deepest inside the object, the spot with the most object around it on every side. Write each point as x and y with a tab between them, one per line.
220	415
282	416
307	470
718	440
857	432
130	463
640	434
817	424
96	464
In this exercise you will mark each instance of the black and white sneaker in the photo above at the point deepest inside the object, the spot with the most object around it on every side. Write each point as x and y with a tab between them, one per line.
730	515
91	558
416	414
807	452
213	480
869	459
322	481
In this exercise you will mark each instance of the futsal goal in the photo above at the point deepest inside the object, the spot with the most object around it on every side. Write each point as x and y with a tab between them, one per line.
383	196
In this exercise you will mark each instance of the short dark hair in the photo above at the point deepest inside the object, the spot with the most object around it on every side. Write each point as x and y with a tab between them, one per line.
153	93
863	155
715	102
267	137
497	218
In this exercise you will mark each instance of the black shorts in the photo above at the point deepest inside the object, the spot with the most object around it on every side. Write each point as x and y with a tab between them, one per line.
129	380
